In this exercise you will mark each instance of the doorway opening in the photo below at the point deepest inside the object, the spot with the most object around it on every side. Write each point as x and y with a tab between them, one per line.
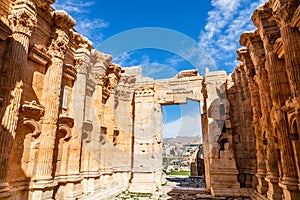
182	144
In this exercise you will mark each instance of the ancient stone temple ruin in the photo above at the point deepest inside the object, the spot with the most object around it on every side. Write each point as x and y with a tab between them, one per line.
74	125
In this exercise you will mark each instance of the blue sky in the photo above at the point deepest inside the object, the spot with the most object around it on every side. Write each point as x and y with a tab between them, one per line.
197	34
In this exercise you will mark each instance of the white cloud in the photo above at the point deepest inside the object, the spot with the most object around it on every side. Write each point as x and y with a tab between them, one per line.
71	6
87	26
125	59
150	69
91	28
225	23
188	125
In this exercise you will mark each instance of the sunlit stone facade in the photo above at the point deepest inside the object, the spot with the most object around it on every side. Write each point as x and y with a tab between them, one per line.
74	125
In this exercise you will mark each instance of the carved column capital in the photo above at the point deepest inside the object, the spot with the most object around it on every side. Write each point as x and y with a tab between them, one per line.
99	79
61	36
22	18
283	10
81	65
82	54
261	13
249	37
59	44
82	42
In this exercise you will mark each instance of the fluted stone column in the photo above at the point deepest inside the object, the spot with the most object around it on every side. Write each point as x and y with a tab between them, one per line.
244	56
279	89
23	21
255	45
51	96
249	156
283	14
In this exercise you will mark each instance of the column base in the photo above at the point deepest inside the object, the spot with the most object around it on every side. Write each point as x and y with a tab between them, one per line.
42	190
262	186
274	191
290	189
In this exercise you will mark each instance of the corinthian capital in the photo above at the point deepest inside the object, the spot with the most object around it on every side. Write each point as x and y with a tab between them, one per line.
59	44
22	18
283	10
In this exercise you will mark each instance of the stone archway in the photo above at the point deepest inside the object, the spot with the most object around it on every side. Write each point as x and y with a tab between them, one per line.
144	98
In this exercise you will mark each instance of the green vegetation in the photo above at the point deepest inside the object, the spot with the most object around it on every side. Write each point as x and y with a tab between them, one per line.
183	173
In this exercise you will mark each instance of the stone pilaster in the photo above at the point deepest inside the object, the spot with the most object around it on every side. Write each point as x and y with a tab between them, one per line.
51	97
22	21
244	56
82	64
279	89
255	45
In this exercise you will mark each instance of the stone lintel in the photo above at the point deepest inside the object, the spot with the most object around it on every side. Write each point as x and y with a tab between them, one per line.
187	73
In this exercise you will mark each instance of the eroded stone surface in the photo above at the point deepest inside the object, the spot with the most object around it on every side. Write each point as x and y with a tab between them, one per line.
74	125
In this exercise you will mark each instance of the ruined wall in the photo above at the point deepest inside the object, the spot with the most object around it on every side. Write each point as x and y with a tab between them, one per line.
268	79
58	136
76	126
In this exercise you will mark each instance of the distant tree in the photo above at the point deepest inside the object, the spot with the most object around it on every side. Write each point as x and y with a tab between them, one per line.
172	152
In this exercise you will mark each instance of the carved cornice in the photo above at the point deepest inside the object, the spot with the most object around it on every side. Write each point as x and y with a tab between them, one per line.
187	73
144	92
63	20
39	54
44	4
32	110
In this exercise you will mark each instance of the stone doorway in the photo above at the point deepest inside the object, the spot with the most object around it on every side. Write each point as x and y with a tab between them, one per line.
141	98
182	139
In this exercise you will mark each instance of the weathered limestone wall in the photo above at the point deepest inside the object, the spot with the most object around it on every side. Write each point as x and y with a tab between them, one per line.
268	79
76	126
59	138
